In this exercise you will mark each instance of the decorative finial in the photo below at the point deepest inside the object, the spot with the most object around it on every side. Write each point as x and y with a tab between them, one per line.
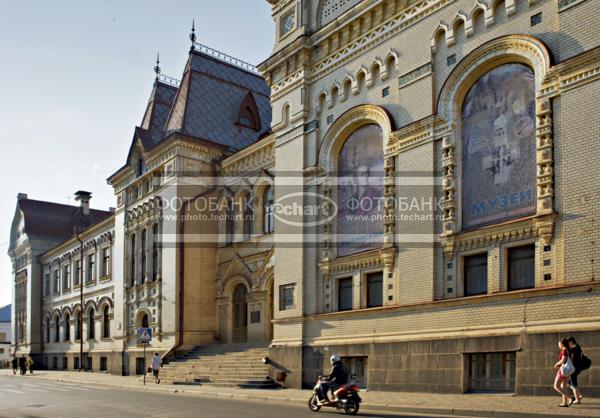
193	34
157	67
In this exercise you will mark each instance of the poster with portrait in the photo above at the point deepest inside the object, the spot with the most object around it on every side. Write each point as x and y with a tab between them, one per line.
498	147
360	192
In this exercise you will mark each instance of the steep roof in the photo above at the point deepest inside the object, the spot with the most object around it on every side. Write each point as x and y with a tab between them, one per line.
157	112
5	313
210	99
55	221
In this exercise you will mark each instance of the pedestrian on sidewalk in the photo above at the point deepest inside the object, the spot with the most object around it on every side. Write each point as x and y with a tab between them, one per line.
156	363
565	370
581	363
23	364
15	365
30	364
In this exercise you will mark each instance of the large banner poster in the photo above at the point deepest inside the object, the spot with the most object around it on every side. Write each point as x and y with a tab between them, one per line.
360	192
498	147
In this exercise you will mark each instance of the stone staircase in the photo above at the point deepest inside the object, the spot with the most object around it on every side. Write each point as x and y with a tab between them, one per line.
229	365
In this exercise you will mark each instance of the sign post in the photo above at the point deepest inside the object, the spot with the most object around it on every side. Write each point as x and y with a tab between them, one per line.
144	336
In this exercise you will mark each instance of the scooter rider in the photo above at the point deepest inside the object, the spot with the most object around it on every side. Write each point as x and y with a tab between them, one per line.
336	378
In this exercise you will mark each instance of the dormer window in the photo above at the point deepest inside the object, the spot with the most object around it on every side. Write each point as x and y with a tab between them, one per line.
248	115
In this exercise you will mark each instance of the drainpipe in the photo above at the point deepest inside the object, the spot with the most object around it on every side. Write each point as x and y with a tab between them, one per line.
80	301
181	278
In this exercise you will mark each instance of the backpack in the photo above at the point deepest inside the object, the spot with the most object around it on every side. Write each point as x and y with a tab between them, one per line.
585	363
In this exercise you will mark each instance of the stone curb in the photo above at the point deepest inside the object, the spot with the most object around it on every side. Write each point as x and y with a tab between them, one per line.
455	412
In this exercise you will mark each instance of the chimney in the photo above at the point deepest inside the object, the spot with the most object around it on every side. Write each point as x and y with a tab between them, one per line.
84	201
22	196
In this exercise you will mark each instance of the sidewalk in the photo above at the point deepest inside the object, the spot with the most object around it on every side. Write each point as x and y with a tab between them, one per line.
497	406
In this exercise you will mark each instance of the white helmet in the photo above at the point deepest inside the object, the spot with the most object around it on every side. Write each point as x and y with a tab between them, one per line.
334	359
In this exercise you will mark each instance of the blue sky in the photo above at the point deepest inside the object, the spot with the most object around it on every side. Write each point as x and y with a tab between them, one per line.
76	76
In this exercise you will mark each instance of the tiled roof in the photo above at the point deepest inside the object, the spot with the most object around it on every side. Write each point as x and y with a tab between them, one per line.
55	221
209	100
206	106
158	110
5	313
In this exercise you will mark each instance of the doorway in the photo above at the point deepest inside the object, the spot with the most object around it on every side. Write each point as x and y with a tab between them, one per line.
240	314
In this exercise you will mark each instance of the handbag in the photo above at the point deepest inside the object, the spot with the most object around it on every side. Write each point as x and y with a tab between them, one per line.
585	363
567	368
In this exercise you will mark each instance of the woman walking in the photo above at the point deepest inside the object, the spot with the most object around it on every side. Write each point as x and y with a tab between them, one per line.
578	361
562	374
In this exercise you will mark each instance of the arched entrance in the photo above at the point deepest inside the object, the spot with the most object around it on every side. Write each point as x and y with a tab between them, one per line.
240	314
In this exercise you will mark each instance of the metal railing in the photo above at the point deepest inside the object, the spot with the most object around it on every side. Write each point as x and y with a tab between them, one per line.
226	58
168	80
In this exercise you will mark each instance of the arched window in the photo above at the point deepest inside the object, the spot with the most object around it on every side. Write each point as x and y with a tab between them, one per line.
145	323
47	336
360	193
248	115
132	260
91	325
498	147
78	326
268	214
155	254
56	329
144	255
229	222
67	327
106	323
248	210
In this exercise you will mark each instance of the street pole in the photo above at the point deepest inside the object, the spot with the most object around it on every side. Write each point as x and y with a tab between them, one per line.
145	368
80	279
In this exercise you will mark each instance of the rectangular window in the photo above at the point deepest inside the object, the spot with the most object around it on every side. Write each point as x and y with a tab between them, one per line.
345	294
55	363
47	284
476	270
357	370
56	281
492	371
536	19
90	268
65	363
103	364
66	278
374	290
286	296
76	363
77	277
385	92
140	366
106	261
521	267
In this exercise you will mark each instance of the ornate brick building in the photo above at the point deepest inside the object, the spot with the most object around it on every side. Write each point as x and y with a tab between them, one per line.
417	198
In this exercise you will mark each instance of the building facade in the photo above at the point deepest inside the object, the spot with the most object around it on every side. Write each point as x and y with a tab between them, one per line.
5	336
404	183
477	118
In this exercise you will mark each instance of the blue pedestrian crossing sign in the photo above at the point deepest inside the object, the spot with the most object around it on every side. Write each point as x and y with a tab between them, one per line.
144	335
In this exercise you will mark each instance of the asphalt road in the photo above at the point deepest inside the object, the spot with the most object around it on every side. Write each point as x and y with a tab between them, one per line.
26	397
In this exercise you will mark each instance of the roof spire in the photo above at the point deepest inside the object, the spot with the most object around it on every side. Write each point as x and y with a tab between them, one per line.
157	67
193	35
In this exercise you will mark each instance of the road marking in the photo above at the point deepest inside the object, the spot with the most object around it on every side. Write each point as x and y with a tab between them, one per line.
34	389
14	391
48	386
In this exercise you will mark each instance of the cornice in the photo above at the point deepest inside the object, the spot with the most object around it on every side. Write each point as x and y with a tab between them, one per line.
406	18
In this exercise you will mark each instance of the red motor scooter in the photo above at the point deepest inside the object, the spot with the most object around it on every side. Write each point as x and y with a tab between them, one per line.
345	398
